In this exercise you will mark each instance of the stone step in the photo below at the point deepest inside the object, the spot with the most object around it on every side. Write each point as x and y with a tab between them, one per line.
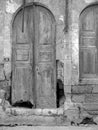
49	128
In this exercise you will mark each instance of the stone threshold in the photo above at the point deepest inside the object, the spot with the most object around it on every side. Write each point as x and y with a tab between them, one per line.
16	116
38	112
33	117
49	128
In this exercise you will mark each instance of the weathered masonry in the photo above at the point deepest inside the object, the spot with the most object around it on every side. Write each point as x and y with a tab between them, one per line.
48	61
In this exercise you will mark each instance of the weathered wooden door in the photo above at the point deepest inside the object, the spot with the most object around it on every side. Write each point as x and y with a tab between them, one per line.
33	57
89	42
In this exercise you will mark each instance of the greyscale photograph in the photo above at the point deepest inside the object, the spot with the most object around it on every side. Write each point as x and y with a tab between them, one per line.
48	64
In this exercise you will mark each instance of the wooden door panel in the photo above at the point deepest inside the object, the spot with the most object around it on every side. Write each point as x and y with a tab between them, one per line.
45	62
88	61
22	84
22	76
22	53
88	43
88	20
45	27
22	36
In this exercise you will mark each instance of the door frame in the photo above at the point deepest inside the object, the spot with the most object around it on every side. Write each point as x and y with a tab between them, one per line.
12	23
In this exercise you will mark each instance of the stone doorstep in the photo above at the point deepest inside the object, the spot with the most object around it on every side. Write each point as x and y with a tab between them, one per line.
49	128
38	112
33	117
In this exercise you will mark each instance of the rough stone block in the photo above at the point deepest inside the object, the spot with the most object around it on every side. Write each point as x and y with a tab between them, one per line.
2	94
91	98
82	89
90	106
91	102
78	98
95	89
72	114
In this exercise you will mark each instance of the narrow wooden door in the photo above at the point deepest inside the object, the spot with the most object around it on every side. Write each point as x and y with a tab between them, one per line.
33	57
22	63
89	43
45	60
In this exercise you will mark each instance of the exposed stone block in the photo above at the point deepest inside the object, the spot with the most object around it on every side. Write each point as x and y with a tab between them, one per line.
72	114
95	89
2	94
91	103
90	107
82	89
78	98
91	98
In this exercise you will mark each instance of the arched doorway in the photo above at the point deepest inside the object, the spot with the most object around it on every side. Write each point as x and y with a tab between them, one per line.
89	43
33	57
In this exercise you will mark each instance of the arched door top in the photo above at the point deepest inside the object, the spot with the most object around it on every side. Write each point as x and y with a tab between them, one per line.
88	7
32	4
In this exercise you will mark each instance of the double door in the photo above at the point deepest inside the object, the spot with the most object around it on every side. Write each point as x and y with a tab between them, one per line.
33	57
